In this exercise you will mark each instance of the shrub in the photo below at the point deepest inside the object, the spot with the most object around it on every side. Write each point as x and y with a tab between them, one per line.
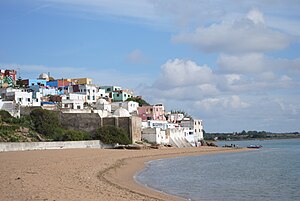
111	134
73	135
45	122
5	116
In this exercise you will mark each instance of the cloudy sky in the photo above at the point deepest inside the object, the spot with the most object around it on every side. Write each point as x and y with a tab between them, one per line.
235	64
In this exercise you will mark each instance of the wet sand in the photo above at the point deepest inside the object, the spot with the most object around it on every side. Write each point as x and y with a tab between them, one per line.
83	174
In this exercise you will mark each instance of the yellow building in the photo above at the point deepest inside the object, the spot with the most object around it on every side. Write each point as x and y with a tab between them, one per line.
80	80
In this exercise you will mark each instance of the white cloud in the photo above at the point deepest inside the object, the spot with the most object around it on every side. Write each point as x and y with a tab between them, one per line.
245	63
256	16
137	57
238	36
178	73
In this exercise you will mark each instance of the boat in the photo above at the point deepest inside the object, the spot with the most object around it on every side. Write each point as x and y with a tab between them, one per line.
254	146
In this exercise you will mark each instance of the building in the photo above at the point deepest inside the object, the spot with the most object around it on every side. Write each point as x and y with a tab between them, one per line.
175	117
91	91
131	106
73	101
32	82
58	83
121	95
103	105
76	81
7	78
23	97
152	112
193	127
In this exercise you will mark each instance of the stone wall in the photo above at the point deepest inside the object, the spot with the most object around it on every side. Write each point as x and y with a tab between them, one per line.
81	121
92	121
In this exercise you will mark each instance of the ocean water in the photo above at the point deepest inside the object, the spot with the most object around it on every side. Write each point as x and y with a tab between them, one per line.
268	174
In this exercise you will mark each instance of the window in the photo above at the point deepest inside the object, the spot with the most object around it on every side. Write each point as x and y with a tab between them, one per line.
118	95
78	106
89	90
108	89
88	97
84	90
68	98
37	100
195	130
94	90
66	105
20	99
93	97
28	99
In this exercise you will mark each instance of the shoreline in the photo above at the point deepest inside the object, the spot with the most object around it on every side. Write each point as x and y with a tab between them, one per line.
125	177
85	174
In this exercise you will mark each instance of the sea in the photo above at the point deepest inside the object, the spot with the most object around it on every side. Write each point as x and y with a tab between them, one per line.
271	173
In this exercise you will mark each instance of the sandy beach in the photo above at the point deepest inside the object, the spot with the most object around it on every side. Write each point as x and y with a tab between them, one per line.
83	174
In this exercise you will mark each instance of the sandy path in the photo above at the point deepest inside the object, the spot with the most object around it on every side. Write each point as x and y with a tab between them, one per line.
82	174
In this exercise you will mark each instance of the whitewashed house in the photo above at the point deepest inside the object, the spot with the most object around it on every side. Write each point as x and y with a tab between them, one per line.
193	130
23	97
155	136
130	106
73	101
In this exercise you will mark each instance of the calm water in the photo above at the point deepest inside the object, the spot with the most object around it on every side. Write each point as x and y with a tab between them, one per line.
270	173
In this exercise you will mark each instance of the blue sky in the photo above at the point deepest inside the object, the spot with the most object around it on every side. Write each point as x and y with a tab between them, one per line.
234	64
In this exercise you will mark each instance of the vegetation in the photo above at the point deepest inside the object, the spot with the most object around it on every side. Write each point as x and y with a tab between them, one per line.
111	134
45	122
139	100
248	135
45	125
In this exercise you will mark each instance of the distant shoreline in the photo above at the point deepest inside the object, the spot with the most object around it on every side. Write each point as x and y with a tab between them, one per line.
85	174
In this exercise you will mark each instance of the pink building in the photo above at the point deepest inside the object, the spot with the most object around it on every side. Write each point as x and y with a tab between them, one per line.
152	112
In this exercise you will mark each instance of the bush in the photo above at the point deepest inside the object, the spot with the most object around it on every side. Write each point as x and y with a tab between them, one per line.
72	135
45	122
112	134
5	116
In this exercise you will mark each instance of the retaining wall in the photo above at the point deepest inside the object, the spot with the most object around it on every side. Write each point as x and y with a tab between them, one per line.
23	146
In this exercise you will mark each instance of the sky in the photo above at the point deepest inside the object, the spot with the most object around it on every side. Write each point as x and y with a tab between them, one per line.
234	64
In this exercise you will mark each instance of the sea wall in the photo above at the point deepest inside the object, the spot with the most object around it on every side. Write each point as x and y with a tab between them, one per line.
24	146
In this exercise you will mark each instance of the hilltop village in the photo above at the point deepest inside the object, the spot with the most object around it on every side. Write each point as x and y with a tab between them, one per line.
83	105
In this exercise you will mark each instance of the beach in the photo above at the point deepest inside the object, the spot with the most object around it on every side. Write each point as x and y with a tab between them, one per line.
84	174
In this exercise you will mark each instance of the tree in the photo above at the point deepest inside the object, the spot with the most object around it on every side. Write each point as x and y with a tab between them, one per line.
111	134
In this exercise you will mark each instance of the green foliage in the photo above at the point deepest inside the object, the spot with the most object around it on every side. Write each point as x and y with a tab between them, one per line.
139	100
45	122
111	134
5	116
72	135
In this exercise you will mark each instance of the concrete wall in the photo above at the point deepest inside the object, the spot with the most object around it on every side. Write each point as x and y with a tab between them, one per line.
23	146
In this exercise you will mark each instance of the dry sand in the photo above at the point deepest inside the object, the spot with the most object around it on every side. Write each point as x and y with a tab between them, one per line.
83	174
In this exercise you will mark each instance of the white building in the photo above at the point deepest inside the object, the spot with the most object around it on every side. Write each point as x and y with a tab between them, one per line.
23	97
104	105
131	106
121	112
175	117
193	127
73	101
155	136
91	91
